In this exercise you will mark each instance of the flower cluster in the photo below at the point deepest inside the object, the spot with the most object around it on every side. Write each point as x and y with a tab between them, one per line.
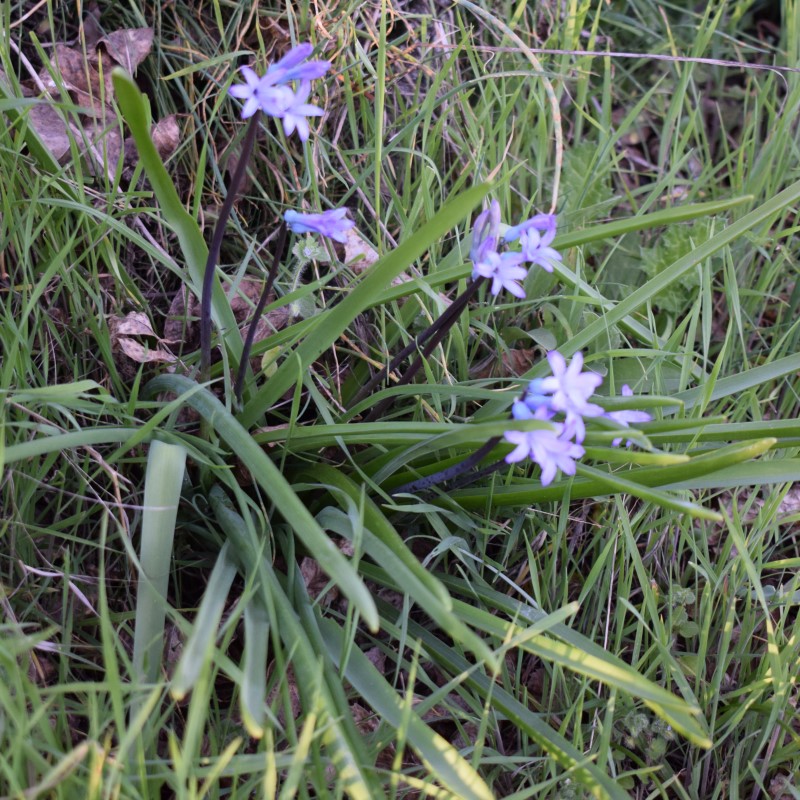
271	93
567	392
505	269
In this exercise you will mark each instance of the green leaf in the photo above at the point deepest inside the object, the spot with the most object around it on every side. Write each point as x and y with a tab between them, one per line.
691	475
600	666
382	542
581	767
200	644
317	680
162	492
277	488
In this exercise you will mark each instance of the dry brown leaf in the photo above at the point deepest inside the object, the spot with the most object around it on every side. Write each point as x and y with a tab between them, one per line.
166	136
790	505
90	31
358	254
136	323
85	73
70	66
274	696
377	658
52	130
316	580
143	354
129	47
513	362
181	324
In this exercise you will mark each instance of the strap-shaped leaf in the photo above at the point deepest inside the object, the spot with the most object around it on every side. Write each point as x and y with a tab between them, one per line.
277	488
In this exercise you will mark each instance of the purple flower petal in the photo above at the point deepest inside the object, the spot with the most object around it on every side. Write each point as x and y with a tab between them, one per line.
332	224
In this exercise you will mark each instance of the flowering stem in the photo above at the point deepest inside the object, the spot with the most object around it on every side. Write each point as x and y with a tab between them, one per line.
262	301
430	337
216	245
456	470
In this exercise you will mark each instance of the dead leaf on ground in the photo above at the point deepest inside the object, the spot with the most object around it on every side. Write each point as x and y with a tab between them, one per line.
513	362
52	130
358	253
274	696
129	47
166	135
137	324
84	72
143	354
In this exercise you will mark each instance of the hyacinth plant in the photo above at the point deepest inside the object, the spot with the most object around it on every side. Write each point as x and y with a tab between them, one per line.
554	417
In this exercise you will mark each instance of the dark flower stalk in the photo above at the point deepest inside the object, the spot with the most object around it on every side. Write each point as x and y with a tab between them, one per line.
455	471
216	245
262	302
430	338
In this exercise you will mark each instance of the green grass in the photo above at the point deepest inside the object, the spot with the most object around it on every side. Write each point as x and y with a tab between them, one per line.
629	632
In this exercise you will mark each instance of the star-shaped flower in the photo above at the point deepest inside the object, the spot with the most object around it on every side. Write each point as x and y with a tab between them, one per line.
295	113
485	232
569	391
541	222
536	249
504	269
291	68
270	94
548	448
248	91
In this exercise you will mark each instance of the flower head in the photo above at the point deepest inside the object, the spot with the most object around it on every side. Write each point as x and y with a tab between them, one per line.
536	249
485	231
569	390
504	269
521	410
534	402
291	68
270	94
248	91
295	113
548	448
627	416
332	224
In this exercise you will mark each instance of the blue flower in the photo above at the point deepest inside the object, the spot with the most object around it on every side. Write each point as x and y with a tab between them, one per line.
295	113
627	416
504	269
536	249
534	404
569	391
290	68
332	224
544	223
271	95
485	232
250	92
548	448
